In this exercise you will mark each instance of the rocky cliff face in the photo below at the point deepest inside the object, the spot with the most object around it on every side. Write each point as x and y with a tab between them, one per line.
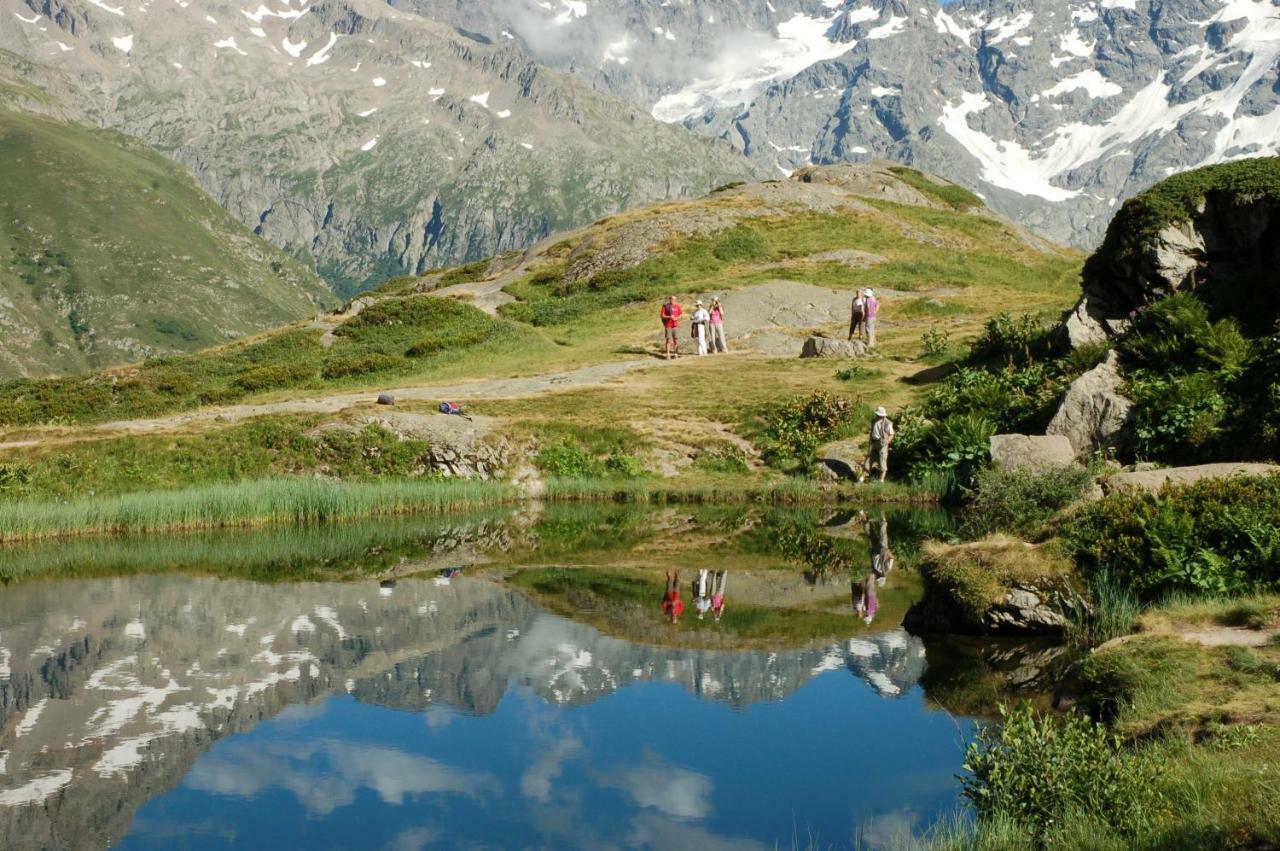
104	705
1055	110
368	140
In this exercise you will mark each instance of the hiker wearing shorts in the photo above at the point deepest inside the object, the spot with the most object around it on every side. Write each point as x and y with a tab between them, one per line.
670	314
718	343
878	452
857	316
872	311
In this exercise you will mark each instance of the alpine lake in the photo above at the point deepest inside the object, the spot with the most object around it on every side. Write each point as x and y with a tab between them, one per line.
507	679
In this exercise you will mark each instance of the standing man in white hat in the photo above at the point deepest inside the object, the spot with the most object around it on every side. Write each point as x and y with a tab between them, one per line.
878	451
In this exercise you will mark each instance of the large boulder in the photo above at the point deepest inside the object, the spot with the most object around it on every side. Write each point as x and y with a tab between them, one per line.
1034	452
840	460
996	586
1094	415
1215	230
1152	481
825	347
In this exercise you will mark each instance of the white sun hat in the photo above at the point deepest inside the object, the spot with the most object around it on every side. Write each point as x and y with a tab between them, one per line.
881	412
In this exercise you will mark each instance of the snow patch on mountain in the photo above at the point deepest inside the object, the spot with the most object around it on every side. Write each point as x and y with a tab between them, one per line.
737	75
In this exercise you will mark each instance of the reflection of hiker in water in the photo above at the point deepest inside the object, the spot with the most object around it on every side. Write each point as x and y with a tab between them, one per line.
672	605
865	601
882	559
386	587
701	595
718	580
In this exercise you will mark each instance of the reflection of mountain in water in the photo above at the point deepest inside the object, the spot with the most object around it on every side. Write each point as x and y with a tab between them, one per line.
105	704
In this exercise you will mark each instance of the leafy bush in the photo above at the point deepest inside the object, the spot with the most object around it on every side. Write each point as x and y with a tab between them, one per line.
937	343
1177	418
275	376
794	431
566	460
1217	536
1020	502
341	366
1017	340
958	445
1041	770
626	466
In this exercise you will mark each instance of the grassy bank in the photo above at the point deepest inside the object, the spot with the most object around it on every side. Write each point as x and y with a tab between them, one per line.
736	490
245	504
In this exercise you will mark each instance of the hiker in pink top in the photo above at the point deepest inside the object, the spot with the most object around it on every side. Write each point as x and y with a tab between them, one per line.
871	311
717	343
718	580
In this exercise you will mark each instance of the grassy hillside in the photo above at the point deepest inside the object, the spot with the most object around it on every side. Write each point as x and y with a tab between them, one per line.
585	299
109	253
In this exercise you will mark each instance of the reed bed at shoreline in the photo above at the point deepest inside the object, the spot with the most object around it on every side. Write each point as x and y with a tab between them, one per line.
301	501
295	501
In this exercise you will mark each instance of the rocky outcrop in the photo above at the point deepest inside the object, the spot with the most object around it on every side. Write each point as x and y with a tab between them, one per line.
825	347
995	587
1094	415
1152	481
1033	452
1214	230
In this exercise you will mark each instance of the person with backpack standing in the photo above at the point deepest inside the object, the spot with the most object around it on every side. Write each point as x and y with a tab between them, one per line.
872	310
882	432
699	326
857	316
718	343
670	313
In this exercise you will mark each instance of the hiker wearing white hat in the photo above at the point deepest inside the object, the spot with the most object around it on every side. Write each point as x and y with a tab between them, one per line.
870	312
878	451
700	320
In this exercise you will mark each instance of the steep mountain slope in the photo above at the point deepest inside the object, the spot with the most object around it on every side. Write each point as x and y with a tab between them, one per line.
1054	109
368	140
110	253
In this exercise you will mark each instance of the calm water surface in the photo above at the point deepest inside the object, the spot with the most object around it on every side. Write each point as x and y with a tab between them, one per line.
168	697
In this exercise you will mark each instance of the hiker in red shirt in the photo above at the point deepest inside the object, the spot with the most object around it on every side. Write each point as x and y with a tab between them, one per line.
671	313
672	605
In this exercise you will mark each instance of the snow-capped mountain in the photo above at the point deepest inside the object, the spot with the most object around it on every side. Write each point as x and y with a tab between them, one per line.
367	140
1054	110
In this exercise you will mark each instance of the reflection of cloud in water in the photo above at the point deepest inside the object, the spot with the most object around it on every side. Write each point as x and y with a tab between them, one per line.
888	830
677	792
414	839
243	769
538	777
649	830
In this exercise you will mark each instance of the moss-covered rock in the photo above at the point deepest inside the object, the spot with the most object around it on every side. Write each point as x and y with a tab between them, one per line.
995	586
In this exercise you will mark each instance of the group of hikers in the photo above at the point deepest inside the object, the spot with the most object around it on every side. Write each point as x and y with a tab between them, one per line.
706	327
708	595
707	330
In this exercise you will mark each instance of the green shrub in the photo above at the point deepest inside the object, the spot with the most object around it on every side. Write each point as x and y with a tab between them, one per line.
1177	418
567	459
341	366
1020	502
937	343
626	466
1216	536
1041	770
794	430
859	372
1017	340
274	376
958	445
